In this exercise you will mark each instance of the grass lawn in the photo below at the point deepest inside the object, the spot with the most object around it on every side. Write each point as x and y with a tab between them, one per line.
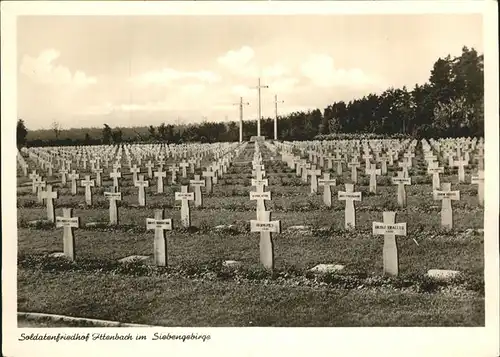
195	291
187	302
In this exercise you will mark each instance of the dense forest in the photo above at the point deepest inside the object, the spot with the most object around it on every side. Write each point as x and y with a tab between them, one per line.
450	104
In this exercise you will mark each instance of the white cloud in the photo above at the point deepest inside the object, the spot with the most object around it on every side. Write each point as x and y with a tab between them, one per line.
242	91
241	62
43	70
192	89
283	84
236	59
276	70
168	75
321	70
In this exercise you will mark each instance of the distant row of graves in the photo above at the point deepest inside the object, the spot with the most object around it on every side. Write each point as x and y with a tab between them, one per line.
308	159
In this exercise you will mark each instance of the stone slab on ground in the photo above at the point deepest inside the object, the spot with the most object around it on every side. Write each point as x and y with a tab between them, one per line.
442	274
58	255
38	221
231	263
327	268
224	226
135	259
299	228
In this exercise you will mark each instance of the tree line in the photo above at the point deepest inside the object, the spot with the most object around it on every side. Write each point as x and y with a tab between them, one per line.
450	104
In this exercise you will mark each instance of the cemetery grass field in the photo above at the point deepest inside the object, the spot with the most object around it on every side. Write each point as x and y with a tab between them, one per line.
197	290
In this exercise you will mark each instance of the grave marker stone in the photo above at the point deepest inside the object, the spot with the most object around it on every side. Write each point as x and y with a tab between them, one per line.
160	225
373	172
48	195
197	183
266	227
68	223
401	181
446	196
184	196
88	183
349	196
73	176
115	175
141	184
160	175
479	181
113	208
208	175
354	170
314	179
389	229
326	182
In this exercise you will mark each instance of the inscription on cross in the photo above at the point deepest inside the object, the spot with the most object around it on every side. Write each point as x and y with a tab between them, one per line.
266	227
354	164
88	183
134	170
326	182
479	181
434	170
314	173
184	196
48	195
389	229
461	169
142	184
68	223
39	184
349	196
160	225
208	175
113	208
197	183
373	172
98	171
401	181
73	176
63	172
446	196
184	165
159	183
150	166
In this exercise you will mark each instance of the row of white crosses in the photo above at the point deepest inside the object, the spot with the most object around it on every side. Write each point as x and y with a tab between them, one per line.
388	228
434	169
262	223
158	223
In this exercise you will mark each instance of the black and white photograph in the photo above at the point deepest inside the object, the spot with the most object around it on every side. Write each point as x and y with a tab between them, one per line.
267	169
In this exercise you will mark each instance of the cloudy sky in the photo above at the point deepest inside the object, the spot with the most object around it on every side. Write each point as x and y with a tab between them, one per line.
135	71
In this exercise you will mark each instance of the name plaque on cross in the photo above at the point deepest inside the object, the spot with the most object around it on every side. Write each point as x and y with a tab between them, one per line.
152	223
260	195
355	196
184	195
263	182
452	194
259	226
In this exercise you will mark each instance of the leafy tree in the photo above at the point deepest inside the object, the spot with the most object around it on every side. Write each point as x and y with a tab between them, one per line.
87	139
21	133
56	128
152	132
117	136
106	134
